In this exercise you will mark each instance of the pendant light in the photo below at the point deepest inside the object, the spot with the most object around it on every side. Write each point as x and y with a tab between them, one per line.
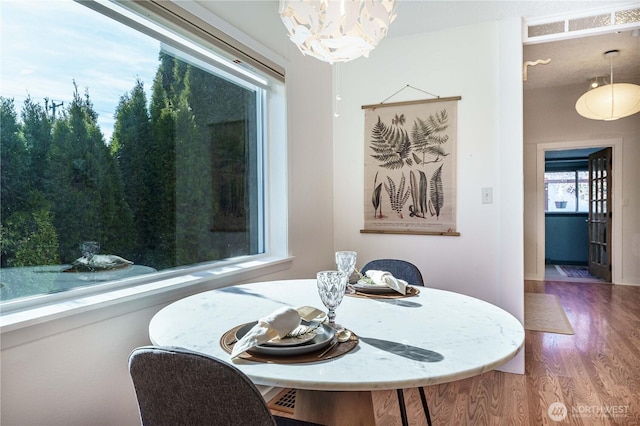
337	30
611	101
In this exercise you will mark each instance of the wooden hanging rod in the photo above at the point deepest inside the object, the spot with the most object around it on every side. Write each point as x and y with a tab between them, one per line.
422	101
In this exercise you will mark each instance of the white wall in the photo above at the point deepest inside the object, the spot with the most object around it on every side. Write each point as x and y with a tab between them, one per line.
480	63
550	120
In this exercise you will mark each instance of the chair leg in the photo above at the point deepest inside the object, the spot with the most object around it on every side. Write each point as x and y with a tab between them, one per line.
425	406
403	408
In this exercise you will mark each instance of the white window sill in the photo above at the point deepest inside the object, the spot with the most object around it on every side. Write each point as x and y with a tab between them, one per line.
163	289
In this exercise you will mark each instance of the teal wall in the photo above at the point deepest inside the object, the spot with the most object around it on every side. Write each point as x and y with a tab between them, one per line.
566	238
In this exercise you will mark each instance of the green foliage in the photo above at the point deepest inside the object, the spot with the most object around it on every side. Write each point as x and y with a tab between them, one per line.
14	162
131	146
36	128
177	177
85	176
30	237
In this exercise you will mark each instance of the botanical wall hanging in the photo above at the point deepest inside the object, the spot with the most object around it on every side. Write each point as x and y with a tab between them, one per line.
410	167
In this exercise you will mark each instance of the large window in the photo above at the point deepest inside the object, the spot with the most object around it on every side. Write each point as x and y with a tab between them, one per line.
124	151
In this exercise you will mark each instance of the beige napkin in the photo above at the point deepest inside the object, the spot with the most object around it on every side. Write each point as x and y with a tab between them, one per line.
385	278
277	324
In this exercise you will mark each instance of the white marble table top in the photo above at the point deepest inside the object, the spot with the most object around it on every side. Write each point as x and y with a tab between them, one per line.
435	337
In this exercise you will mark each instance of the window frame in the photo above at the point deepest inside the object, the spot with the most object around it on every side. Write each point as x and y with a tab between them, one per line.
22	312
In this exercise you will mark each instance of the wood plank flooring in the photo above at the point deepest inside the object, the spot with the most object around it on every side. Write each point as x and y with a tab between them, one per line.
595	373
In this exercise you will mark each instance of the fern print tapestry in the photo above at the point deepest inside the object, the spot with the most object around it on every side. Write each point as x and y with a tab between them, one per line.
410	167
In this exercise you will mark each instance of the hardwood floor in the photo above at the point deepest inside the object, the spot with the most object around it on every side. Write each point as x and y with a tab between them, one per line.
595	373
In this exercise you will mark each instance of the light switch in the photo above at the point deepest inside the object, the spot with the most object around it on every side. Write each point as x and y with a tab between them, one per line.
487	195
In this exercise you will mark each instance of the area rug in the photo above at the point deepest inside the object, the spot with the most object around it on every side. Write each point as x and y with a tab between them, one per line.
574	271
543	312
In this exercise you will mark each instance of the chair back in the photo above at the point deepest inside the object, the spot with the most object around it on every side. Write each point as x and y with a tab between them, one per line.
176	386
400	269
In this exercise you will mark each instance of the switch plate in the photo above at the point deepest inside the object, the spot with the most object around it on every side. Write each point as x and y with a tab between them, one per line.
487	195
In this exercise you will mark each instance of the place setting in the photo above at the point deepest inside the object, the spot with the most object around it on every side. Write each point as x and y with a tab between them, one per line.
374	283
296	335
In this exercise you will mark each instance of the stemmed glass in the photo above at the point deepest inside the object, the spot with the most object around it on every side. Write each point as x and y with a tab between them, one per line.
331	286
346	262
89	249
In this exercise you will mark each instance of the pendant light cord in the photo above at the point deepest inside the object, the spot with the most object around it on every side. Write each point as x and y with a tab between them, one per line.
611	83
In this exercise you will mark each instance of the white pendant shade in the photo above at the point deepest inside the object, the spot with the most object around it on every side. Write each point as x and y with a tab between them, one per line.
337	30
610	102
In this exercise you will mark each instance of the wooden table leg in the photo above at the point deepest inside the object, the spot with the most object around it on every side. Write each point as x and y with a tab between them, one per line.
335	408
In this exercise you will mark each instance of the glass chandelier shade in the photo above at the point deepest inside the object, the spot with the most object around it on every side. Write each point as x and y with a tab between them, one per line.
337	30
611	101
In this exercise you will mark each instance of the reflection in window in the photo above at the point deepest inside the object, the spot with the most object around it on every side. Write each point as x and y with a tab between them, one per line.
151	154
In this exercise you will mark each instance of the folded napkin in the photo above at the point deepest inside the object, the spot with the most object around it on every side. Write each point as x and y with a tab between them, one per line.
385	278
98	262
278	324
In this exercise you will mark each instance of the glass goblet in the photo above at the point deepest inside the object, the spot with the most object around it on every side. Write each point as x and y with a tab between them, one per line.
346	262
89	249
331	286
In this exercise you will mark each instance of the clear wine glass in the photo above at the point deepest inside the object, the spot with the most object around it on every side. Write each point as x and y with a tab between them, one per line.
331	286
346	262
89	249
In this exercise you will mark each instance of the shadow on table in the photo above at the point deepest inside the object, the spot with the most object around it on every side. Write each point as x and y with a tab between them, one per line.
400	302
242	291
407	351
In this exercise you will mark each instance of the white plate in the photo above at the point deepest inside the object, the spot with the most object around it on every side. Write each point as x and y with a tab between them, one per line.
364	287
292	341
324	336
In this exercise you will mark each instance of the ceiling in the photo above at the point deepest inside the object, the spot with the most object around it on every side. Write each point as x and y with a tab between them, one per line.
576	61
573	61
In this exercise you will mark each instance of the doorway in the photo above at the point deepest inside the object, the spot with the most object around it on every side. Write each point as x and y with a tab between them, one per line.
567	204
546	261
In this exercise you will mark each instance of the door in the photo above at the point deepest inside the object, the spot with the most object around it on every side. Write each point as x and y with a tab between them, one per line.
599	219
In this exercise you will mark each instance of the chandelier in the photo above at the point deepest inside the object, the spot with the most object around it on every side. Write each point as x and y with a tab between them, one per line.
337	30
609	101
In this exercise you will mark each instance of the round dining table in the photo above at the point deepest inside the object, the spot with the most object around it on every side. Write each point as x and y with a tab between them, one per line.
432	337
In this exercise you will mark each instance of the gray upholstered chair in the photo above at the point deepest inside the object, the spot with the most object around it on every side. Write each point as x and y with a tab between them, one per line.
411	274
175	386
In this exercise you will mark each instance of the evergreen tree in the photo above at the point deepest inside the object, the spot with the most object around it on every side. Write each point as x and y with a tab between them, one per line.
14	167
28	236
85	187
37	133
227	111
14	161
161	211
131	146
193	178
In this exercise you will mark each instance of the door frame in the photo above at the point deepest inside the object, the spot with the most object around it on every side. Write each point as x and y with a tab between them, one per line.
616	249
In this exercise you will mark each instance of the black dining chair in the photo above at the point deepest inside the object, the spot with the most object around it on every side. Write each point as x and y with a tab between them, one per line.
176	386
409	272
